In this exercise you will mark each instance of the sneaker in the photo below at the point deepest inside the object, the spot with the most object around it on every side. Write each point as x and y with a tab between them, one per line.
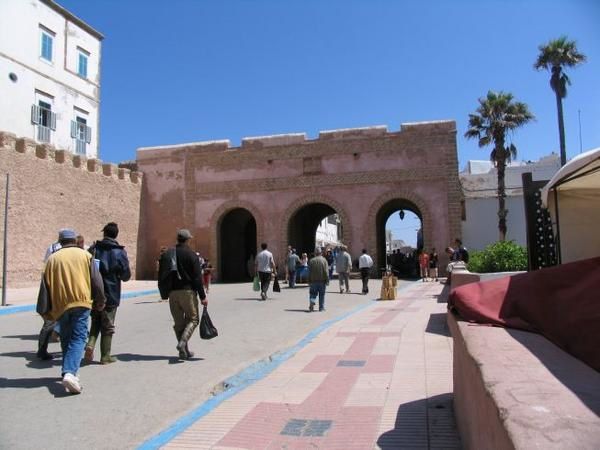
311	308
321	309
89	354
263	296
71	384
341	291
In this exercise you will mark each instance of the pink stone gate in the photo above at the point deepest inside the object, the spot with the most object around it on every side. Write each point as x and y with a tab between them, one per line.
276	189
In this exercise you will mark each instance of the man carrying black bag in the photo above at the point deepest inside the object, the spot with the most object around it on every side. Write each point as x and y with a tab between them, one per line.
180	279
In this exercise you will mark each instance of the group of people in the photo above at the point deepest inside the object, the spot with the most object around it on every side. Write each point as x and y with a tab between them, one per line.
319	271
79	284
429	265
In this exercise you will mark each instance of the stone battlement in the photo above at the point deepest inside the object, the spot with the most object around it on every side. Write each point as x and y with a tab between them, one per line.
281	140
10	142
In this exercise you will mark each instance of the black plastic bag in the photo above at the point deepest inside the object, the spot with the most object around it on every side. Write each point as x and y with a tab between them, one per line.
276	287
207	329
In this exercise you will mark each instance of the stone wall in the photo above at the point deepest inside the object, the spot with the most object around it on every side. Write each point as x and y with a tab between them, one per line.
51	189
355	171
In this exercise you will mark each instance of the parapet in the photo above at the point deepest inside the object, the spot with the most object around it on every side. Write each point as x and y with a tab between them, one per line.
282	140
10	142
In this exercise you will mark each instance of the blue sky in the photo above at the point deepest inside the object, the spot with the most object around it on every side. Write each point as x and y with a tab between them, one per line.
182	70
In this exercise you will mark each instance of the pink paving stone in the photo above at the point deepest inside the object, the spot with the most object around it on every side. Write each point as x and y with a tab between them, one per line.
258	427
369	333
361	348
322	363
380	364
385	318
354	427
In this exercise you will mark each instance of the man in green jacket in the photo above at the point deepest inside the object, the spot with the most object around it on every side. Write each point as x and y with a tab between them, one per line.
318	278
72	283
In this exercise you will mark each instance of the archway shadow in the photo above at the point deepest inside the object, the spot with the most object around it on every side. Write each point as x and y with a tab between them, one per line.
425	423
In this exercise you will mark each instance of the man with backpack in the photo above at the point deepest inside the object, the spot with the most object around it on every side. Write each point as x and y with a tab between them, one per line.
114	268
180	280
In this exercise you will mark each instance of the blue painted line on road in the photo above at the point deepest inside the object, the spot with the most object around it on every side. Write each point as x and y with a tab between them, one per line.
244	379
25	308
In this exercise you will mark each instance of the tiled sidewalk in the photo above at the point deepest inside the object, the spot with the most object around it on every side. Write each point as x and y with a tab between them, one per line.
381	378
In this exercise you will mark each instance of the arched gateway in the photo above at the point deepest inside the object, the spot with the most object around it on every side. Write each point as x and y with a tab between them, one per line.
276	189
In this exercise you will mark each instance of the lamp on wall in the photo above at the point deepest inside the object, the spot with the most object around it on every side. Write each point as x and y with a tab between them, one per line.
401	214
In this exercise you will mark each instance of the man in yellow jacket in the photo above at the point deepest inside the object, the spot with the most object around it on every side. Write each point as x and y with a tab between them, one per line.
72	282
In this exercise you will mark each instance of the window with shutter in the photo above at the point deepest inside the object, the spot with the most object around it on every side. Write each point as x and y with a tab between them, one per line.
88	134
35	114
73	129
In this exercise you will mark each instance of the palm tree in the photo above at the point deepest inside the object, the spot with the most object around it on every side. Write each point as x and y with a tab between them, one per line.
496	116
554	56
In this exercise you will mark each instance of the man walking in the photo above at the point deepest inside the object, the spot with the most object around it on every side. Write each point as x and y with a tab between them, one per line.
264	265
114	268
343	265
292	262
74	287
318	278
365	262
180	268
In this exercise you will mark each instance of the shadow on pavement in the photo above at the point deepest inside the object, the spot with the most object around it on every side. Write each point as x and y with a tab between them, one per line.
125	357
24	337
52	383
424	423
443	296
256	299
33	361
437	324
297	310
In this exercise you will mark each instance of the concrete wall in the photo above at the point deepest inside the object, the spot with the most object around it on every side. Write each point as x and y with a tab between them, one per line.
70	94
356	172
52	189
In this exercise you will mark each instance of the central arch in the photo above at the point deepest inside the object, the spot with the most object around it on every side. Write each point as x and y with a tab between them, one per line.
302	217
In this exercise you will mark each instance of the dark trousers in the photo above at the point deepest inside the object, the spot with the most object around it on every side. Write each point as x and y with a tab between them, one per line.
265	281
364	275
102	322
292	278
45	334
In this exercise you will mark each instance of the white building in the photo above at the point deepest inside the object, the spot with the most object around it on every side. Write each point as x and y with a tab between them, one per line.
328	232
49	75
480	184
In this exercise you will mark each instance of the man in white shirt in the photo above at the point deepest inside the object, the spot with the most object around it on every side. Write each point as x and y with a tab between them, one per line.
365	262
264	265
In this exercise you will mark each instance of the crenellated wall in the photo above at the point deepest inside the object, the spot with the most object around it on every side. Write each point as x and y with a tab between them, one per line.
51	189
358	172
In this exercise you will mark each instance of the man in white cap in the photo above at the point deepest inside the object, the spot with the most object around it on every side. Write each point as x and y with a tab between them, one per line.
179	269
74	288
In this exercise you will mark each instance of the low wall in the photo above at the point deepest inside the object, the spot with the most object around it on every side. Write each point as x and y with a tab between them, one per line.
517	390
51	189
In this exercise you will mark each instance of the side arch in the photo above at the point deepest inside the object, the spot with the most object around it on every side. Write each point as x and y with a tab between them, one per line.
409	197
307	200
216	223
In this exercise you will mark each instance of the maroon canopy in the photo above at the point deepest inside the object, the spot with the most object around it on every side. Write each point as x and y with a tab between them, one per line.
562	303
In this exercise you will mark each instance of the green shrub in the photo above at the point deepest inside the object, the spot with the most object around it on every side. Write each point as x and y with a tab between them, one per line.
502	256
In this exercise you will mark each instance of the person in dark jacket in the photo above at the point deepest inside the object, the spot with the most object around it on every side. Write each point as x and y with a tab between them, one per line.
180	279
114	268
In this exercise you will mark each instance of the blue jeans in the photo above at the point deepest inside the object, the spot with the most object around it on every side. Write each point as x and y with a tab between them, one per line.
317	287
292	276
73	336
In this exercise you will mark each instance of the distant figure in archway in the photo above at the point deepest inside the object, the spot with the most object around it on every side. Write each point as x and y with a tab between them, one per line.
343	265
365	262
265	267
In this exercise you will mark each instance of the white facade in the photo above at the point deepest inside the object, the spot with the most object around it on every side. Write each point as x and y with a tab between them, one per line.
49	76
479	183
327	234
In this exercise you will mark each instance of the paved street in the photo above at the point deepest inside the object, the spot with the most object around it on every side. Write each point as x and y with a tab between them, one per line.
126	403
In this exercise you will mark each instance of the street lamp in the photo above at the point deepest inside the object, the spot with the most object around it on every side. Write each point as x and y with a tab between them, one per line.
401	214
